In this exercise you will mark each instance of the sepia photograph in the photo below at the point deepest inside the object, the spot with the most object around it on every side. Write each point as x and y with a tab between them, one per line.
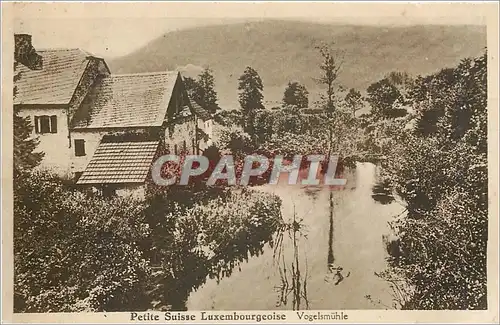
162	163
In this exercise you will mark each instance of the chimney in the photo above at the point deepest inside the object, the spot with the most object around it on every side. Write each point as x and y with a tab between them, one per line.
25	53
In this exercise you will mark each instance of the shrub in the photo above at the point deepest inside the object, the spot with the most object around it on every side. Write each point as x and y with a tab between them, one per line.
443	178
210	239
75	252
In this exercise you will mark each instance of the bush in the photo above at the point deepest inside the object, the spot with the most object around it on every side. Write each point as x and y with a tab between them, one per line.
443	178
210	238
74	252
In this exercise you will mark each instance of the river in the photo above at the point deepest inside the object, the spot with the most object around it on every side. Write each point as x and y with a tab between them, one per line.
353	243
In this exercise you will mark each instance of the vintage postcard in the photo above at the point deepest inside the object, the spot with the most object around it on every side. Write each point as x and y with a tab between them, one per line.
270	162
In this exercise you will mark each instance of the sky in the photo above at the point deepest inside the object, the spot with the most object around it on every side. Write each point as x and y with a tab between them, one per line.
116	29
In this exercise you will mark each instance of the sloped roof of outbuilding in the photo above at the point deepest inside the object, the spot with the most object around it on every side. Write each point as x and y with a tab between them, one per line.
118	162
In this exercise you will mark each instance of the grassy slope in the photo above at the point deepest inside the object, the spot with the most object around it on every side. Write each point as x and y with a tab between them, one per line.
284	50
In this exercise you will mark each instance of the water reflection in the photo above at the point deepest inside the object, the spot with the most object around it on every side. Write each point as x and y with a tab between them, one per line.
293	273
333	272
323	242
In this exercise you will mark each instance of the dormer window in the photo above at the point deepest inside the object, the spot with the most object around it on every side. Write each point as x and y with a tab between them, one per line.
46	124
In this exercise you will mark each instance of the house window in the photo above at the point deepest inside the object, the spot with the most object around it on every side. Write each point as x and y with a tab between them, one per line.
79	147
46	124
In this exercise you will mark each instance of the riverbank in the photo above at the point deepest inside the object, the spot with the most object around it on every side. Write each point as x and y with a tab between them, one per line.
358	225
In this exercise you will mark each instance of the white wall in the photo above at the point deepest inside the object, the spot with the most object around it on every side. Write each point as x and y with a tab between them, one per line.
209	130
54	145
92	139
206	126
177	133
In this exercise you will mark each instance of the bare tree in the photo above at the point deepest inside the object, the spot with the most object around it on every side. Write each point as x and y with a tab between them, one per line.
332	61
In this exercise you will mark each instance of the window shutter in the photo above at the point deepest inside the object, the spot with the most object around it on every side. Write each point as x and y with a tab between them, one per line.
37	123
79	147
44	124
53	124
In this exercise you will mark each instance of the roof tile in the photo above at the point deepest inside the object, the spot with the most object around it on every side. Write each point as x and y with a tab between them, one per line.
56	82
200	111
132	100
120	162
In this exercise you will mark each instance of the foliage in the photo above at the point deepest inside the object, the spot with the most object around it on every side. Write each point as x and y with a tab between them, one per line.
250	97
209	236
291	131
442	176
296	95
24	156
382	95
234	139
212	153
75	252
202	90
229	118
354	101
332	61
402	80
431	88
191	85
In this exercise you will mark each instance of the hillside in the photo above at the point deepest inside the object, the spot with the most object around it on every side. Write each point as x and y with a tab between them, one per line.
284	50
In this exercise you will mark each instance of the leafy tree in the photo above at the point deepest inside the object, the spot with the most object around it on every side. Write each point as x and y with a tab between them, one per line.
191	85
442	177
250	97
354	101
24	156
296	95
400	79
229	118
382	95
207	95
427	98
202	90
332	61
236	140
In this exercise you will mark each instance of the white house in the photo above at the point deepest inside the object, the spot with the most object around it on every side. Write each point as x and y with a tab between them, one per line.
102	129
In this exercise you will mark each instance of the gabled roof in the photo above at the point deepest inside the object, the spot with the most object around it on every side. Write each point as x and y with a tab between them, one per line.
120	162
199	110
129	100
56	82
